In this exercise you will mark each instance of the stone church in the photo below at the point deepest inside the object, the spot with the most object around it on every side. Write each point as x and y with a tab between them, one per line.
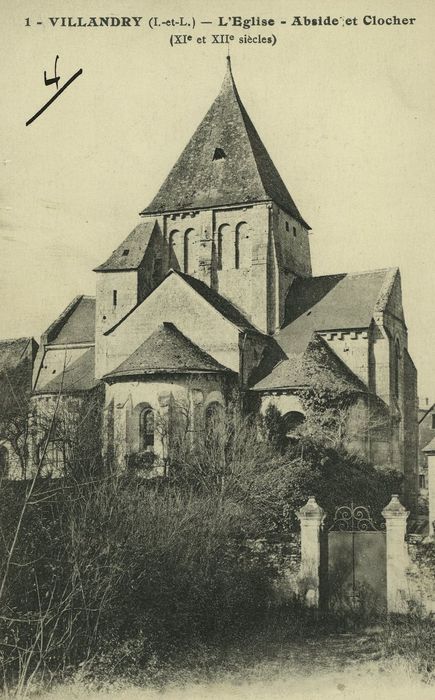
213	292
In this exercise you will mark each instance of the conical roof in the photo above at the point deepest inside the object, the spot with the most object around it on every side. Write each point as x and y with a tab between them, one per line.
167	351
224	163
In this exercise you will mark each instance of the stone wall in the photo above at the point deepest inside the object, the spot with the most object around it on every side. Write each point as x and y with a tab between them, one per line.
173	301
292	253
420	575
172	398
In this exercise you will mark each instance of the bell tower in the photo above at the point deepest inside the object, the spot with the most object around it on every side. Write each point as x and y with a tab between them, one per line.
227	217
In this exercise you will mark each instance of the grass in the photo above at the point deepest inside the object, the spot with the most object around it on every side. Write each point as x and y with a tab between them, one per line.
309	658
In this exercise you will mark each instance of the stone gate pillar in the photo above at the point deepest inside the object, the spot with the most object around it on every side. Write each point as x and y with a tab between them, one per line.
397	555
311	517
429	450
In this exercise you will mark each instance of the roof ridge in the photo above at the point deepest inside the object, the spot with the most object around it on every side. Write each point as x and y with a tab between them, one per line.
16	340
135	244
385	290
203	291
251	132
426	412
352	274
212	292
63	316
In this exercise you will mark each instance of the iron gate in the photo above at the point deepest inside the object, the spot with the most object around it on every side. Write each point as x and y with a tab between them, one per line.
356	561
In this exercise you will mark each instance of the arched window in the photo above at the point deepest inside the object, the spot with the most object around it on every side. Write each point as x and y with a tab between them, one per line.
4	461
214	414
220	245
174	249
146	429
188	240
237	249
291	421
240	257
396	368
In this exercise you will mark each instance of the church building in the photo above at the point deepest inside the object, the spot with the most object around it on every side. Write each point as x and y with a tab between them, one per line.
212	293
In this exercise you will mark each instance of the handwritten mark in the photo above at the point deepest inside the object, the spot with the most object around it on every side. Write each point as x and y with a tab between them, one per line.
59	90
50	81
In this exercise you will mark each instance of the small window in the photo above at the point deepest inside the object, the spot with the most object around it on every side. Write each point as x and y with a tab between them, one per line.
115	297
422	479
237	249
294	231
287	226
433	421
186	250
125	251
147	430
219	153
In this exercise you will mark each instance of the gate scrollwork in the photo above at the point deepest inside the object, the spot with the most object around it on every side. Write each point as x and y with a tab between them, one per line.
353	519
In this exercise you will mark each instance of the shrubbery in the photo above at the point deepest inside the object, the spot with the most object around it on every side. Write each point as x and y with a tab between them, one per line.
120	560
149	566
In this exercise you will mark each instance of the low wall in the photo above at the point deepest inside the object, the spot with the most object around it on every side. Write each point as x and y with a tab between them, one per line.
420	575
283	553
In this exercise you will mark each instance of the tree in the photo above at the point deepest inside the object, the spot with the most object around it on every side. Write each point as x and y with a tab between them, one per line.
15	390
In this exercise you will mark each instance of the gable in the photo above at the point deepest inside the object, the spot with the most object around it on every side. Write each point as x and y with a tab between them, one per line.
393	294
174	301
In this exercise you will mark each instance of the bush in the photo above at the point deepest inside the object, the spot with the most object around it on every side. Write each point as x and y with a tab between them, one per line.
141	460
108	563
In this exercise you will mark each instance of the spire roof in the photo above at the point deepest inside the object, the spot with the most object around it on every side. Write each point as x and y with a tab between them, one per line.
224	163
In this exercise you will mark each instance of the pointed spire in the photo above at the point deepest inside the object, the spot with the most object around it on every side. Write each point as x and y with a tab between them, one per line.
224	163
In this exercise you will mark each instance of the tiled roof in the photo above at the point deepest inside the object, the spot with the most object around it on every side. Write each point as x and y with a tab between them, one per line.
224	163
332	302
15	350
167	350
77	377
430	447
317	366
76	324
129	255
16	367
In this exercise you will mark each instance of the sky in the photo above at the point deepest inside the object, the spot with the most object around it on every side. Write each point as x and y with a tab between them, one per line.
347	114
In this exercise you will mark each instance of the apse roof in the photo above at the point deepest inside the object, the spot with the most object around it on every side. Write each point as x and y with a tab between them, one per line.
167	350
